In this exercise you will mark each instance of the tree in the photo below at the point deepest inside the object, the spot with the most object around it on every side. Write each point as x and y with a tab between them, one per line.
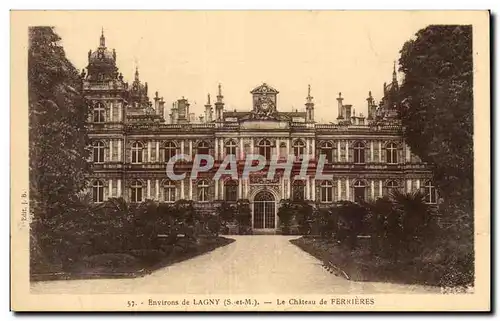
58	139
437	106
58	143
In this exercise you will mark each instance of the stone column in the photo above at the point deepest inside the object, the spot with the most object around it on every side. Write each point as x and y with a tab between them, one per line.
408	185
149	151
380	152
216	193
120	150
371	151
380	188
182	188
346	151
240	188
338	151
182	147
157	159
313	147
308	145
313	189
308	191
221	148
190	182
289	188
110	150
157	189
119	188
242	149
111	111
252	146
339	189
149	189
216	149
190	148
418	184
110	189
347	189
372	189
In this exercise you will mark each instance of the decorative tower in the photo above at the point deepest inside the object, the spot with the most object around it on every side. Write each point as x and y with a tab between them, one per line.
372	108
309	106
219	105
340	107
208	110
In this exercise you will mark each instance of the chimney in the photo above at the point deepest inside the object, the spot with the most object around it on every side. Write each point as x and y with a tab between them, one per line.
219	105
340	107
347	112
161	108
208	110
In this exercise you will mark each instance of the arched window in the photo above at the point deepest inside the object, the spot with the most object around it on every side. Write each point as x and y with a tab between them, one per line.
298	148
265	148
169	191
231	148
392	153
359	153
203	191
326	192
231	190
136	192
392	186
298	190
359	191
326	148
430	193
137	153
98	151
98	192
99	113
170	150
203	148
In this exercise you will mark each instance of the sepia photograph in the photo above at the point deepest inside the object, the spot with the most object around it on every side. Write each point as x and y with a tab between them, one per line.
250	161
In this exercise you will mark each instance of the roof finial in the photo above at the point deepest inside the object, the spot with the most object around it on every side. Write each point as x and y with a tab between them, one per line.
309	98
208	99
137	73
220	90
102	41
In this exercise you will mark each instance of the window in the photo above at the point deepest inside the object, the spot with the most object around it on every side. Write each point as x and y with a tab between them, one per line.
326	192
231	148
392	153
392	186
298	190
137	153
265	149
170	150
169	191
359	153
359	191
203	148
231	190
326	148
98	192
203	191
136	192
98	152
99	113
430	192
298	148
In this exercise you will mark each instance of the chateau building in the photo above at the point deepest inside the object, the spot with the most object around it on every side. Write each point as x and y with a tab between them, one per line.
132	139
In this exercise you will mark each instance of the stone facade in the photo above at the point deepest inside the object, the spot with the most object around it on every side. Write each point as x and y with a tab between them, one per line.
132	138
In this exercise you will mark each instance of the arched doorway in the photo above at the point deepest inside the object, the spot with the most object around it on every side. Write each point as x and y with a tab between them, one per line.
264	211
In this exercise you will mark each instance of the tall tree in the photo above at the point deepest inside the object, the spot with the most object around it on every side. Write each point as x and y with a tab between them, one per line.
58	137
437	107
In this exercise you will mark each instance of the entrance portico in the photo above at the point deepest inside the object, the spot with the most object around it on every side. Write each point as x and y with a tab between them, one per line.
264	212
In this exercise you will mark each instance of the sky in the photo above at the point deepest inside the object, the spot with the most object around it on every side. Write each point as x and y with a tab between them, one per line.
188	53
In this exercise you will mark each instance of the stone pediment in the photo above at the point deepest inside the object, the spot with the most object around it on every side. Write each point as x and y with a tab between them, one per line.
264	89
